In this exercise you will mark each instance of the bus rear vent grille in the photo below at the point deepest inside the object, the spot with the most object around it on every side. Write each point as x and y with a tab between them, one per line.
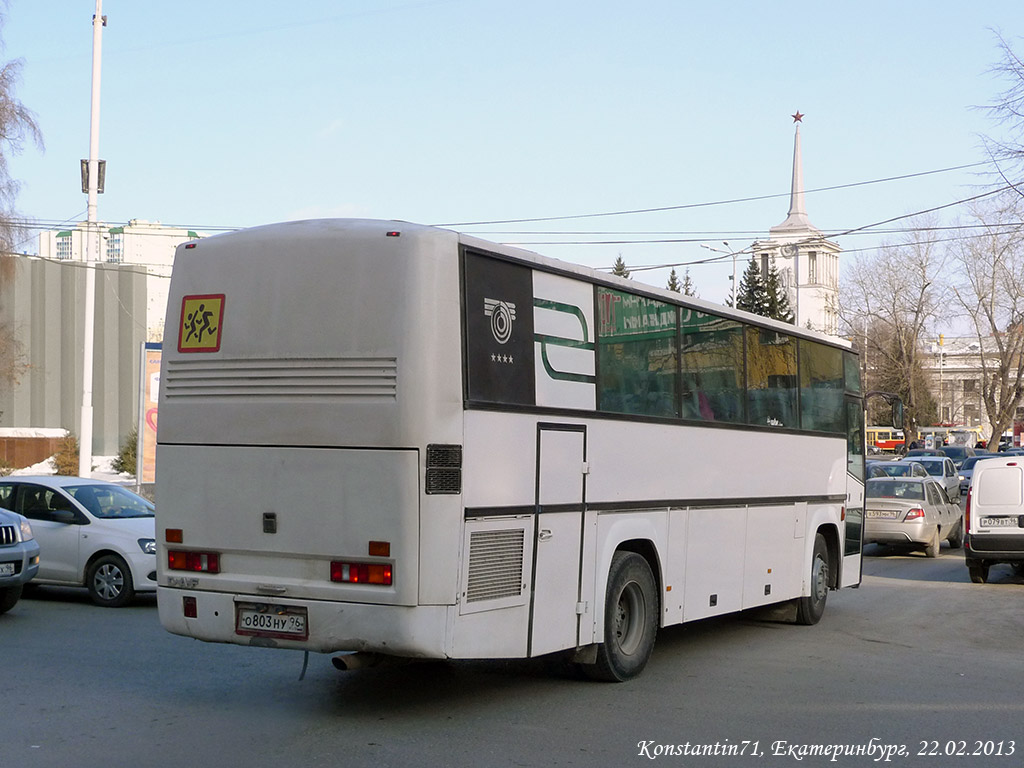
345	378
495	565
444	468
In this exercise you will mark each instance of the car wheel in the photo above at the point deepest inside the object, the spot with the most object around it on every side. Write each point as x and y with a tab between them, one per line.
630	620
809	609
978	573
9	597
1018	569
110	582
956	539
932	548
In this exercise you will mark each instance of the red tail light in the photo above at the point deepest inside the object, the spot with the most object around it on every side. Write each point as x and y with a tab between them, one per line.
967	510
207	562
915	514
361	573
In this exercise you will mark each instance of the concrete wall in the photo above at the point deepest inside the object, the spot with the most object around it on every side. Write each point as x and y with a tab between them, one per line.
43	305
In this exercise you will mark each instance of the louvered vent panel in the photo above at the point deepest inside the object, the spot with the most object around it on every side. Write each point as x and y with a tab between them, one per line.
337	377
495	565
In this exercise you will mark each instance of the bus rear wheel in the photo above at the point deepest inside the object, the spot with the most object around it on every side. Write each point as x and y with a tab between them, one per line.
809	609
630	620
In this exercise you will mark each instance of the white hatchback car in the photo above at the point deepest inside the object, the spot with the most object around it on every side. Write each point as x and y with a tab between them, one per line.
91	534
943	471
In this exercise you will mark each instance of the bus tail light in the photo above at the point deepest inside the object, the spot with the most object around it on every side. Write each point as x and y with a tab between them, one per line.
361	573
915	514
206	562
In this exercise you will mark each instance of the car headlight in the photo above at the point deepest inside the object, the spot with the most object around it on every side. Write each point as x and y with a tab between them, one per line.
26	530
148	546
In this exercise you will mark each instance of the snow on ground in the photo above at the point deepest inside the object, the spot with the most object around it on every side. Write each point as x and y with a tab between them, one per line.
101	470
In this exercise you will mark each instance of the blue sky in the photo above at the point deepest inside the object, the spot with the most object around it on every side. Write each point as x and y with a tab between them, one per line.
233	114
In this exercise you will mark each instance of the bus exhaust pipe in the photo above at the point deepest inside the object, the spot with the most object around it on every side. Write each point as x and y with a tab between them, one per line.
360	660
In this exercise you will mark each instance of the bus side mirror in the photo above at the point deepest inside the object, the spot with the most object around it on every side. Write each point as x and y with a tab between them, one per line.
897	414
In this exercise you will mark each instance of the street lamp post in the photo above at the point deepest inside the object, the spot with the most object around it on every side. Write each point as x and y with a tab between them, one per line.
732	253
92	254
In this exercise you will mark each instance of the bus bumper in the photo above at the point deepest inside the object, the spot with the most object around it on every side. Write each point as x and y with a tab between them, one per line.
408	631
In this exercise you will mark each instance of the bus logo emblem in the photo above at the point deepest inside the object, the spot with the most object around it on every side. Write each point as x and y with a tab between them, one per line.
201	319
502	313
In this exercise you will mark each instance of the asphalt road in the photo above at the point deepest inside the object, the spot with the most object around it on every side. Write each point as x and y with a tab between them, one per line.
918	659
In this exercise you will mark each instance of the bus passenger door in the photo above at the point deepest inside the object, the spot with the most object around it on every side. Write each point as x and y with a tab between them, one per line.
561	456
853	534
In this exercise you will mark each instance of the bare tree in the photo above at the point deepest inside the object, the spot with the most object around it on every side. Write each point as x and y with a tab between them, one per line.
17	125
889	302
1007	153
991	292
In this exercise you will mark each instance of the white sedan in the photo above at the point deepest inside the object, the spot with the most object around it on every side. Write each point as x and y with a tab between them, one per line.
91	534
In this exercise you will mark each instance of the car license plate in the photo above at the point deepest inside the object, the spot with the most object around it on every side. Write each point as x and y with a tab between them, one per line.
267	620
881	514
6	569
998	522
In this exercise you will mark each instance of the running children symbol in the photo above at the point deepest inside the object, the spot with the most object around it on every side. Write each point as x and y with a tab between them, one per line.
201	319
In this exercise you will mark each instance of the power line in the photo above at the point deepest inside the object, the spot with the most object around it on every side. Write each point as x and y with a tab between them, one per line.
708	204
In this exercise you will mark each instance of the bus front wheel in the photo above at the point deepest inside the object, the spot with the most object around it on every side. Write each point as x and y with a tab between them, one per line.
809	609
630	620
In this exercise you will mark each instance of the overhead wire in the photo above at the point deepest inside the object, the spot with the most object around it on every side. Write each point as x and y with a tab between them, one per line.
709	203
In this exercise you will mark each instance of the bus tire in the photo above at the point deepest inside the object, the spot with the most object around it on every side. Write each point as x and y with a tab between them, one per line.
809	609
630	620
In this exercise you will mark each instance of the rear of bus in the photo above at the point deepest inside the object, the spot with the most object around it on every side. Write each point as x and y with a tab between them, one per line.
310	391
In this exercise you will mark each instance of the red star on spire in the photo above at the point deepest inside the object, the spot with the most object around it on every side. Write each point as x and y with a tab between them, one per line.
797	118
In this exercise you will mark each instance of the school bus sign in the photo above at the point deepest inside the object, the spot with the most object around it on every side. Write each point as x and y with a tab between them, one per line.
201	318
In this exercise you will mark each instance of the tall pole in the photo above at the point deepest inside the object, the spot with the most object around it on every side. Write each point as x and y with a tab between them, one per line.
92	237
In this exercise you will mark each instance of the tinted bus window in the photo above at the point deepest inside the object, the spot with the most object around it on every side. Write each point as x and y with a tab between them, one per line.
711	359
821	387
636	340
771	378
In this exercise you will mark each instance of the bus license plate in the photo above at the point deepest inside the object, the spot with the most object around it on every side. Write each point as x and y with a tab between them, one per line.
997	522
6	569
266	620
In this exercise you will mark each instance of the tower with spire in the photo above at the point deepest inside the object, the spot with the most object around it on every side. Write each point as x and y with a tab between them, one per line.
807	262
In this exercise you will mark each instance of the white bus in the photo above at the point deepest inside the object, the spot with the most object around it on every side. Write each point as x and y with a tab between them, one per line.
393	439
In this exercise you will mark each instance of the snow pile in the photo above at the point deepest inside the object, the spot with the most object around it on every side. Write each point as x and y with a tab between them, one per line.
101	470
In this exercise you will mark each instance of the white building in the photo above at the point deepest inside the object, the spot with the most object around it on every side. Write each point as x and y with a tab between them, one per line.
808	263
957	377
147	244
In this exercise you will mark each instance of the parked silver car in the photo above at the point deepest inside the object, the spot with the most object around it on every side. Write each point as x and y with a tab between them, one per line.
19	557
911	510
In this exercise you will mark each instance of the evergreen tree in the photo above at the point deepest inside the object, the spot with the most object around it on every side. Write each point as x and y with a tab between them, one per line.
751	295
776	296
619	267
673	282
688	289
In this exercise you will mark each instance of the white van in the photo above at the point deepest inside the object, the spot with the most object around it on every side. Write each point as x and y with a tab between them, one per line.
995	516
